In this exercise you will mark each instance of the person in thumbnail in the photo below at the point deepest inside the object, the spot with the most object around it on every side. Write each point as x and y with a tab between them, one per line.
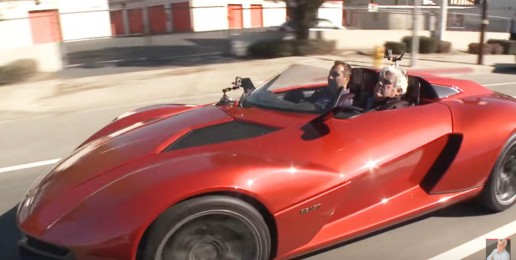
499	253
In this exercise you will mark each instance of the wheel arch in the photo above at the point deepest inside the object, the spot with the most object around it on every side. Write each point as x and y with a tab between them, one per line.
485	197
264	212
481	144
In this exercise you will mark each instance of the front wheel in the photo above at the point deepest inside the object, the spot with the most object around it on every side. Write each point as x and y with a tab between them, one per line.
500	191
211	227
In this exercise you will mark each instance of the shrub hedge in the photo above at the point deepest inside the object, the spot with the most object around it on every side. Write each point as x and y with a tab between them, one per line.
489	48
426	44
396	47
444	47
283	48
17	71
509	46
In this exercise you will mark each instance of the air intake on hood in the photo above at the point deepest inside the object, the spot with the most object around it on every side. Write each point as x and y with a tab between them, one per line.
219	133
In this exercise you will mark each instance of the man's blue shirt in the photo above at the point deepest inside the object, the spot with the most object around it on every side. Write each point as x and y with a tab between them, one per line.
504	255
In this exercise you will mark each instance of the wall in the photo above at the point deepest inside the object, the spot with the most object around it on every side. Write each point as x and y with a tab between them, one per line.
15	26
47	56
16	33
331	11
506	8
84	19
213	14
362	38
177	39
274	14
92	22
209	15
461	40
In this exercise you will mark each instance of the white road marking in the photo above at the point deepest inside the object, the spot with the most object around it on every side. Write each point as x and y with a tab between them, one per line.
477	244
29	165
500	84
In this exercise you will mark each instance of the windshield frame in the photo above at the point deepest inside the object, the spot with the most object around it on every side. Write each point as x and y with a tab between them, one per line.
271	93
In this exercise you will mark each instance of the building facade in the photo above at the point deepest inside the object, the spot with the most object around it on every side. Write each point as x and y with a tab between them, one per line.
148	17
28	22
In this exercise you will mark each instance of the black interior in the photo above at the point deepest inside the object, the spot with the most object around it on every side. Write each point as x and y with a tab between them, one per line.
413	91
363	82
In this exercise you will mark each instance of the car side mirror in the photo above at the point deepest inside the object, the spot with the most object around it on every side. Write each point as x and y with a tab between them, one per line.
344	112
339	112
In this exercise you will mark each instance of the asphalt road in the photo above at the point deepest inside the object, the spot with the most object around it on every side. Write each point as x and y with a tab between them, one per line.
46	137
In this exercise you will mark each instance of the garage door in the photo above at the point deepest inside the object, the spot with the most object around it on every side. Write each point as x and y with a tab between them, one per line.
256	16
45	26
117	22
157	19
181	17
235	15
135	20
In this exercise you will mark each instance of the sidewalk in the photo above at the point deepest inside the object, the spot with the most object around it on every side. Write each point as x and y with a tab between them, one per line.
193	84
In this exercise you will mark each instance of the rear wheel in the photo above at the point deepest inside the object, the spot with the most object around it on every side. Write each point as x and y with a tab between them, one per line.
500	191
211	227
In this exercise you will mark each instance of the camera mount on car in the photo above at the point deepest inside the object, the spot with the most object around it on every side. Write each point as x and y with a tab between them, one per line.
239	82
389	57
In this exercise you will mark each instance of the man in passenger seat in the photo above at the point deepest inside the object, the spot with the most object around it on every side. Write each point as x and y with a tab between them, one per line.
338	76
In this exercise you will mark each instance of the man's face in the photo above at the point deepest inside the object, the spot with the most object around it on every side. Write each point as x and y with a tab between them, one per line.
337	78
500	246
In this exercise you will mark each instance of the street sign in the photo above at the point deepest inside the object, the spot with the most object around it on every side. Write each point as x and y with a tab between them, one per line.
373	7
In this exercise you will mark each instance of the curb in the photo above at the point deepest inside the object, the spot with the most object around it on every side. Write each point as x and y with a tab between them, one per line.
444	70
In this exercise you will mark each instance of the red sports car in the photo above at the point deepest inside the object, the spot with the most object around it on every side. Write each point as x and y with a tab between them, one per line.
272	175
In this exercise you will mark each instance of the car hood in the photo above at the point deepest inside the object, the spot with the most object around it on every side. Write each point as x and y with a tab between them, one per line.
104	154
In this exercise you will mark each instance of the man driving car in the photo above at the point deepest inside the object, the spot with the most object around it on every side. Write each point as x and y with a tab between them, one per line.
338	76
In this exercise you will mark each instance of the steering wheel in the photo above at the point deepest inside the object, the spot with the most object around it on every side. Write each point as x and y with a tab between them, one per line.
344	112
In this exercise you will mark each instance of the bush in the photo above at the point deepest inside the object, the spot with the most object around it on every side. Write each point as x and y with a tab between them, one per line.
474	48
396	47
283	48
270	49
489	48
426	44
496	48
17	71
509	47
444	47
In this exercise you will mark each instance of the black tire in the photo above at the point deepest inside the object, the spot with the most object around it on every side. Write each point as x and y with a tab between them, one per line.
210	227
500	190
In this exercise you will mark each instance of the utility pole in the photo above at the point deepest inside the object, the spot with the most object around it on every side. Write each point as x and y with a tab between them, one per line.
485	22
415	37
443	19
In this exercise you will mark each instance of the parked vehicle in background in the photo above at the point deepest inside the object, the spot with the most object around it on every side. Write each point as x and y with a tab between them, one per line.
319	24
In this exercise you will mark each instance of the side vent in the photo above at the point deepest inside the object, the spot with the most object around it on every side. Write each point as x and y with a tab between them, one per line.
442	163
219	133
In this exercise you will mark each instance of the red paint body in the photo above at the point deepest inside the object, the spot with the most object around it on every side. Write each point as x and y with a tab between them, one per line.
365	172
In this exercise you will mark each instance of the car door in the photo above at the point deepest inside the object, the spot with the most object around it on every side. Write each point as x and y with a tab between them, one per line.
385	153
